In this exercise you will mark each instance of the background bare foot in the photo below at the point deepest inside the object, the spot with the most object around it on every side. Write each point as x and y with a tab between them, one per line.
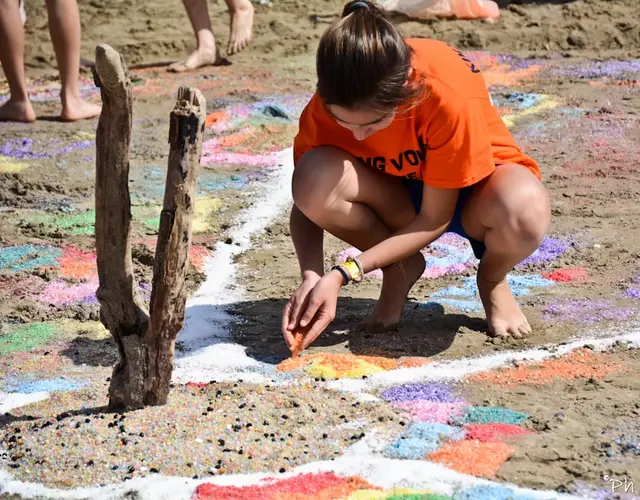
241	27
17	111
77	109
199	58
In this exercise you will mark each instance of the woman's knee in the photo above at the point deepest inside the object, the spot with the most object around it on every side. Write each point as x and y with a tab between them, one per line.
320	176
527	213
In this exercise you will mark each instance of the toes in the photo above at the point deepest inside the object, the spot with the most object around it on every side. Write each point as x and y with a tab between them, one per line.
515	333
525	330
498	331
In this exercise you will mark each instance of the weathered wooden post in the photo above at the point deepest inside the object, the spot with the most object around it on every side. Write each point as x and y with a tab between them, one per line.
146	342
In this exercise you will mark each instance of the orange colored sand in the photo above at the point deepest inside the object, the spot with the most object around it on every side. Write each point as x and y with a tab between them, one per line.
348	365
580	363
78	264
473	457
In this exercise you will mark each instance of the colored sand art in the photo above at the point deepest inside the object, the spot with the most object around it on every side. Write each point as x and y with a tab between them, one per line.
80	223
567	275
23	385
25	149
421	439
323	486
473	457
578	364
336	366
550	249
60	293
26	337
465	297
585	310
495	432
434	392
26	257
530	104
78	264
490	415
429	411
8	166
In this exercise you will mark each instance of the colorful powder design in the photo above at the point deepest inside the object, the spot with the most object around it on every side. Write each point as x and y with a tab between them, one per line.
60	293
550	249
473	457
197	257
322	486
337	366
429	411
489	493
578	364
567	275
421	439
465	298
26	337
81	223
26	257
78	264
434	392
619	70
632	293
14	384
9	167
212	154
585	310
22	149
490	415
494	432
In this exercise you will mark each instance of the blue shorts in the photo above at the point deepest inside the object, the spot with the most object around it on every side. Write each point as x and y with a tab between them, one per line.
415	189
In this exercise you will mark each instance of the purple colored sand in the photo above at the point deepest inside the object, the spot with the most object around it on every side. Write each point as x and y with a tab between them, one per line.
22	149
439	393
550	249
633	293
585	310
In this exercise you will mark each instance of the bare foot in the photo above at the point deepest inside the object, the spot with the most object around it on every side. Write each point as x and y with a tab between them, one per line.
503	313
396	283
199	58
15	110
241	27
74	109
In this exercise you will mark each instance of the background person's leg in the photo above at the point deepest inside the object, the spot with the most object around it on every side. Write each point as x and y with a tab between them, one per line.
361	207
17	108
206	52
64	26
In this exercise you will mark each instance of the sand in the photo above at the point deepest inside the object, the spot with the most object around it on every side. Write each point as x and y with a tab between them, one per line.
563	77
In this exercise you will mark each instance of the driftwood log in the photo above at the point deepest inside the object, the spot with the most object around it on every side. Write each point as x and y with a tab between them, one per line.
145	342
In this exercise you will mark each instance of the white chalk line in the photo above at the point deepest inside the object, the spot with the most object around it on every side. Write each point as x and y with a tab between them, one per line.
206	331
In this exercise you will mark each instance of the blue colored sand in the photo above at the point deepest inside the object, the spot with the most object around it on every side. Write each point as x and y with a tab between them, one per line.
421	439
489	493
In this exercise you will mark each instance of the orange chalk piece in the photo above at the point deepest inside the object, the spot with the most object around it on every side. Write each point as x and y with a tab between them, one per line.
296	347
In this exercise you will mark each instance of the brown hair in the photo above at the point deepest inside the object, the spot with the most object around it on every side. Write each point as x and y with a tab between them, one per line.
363	61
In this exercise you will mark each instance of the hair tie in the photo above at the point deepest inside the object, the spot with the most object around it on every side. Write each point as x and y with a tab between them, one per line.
359	5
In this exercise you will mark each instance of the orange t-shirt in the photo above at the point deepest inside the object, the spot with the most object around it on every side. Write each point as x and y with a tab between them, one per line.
452	139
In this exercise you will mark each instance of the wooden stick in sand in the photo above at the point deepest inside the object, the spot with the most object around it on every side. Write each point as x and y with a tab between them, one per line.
145	342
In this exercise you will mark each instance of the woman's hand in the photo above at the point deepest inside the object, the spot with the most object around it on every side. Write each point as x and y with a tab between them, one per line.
296	306
314	305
